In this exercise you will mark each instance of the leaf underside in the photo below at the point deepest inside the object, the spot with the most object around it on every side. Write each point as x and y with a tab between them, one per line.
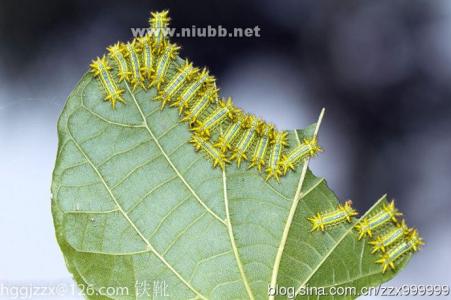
133	202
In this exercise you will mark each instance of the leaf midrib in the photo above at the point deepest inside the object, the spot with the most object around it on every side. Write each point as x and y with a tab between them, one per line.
296	199
227	223
188	186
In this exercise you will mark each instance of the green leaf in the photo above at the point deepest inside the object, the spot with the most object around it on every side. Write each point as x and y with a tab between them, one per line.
134	204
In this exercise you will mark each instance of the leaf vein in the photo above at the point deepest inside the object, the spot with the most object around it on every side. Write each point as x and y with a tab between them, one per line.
146	125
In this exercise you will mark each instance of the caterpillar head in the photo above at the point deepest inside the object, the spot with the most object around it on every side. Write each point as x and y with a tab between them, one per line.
378	244
232	111
364	228
280	137
99	64
317	222
313	146
415	240
350	212
266	129
392	211
159	19
387	262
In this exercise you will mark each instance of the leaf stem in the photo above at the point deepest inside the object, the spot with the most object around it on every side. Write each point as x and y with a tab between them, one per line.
296	199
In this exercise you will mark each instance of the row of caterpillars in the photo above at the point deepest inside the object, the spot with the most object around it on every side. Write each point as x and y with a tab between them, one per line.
387	235
219	129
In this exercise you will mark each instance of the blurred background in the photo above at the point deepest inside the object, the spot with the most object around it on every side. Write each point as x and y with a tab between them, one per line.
382	70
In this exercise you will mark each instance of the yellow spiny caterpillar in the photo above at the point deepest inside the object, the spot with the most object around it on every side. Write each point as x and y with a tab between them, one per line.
225	110
147	67
200	105
170	52
159	22
218	158
274	168
321	221
115	53
308	148
259	156
101	69
252	125
382	242
188	94
387	214
131	52
185	72
151	61
226	139
411	244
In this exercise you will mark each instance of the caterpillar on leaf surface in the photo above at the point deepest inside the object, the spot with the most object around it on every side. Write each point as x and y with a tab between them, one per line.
274	168
343	213
159	22
190	92
132	53
185	72
410	244
386	215
224	110
252	125
115	53
170	52
382	242
101	70
307	149
149	62
147	55
226	139
259	156
209	97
